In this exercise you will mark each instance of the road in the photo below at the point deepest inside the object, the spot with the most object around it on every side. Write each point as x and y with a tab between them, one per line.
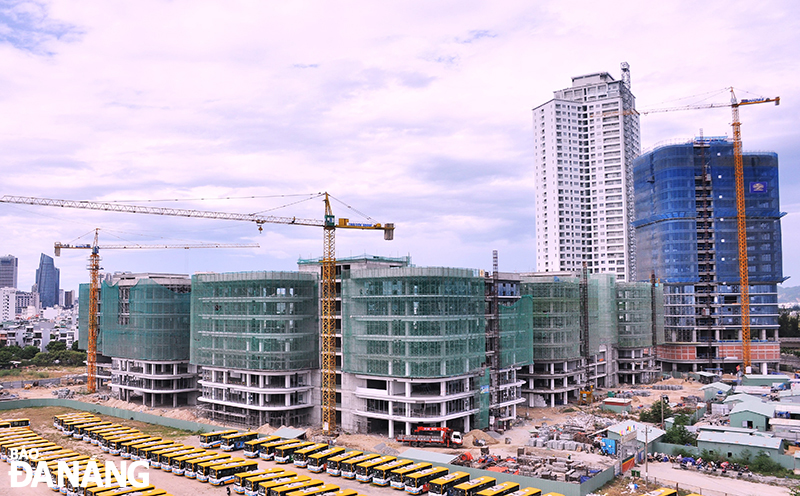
710	485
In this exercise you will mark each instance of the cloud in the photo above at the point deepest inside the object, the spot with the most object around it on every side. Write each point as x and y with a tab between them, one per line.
26	25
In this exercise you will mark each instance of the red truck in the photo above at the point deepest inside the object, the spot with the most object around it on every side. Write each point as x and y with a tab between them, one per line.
436	436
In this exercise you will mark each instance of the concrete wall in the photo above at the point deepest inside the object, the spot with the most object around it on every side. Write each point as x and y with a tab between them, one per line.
739	419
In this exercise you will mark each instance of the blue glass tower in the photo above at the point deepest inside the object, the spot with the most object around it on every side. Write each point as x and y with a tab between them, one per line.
47	281
686	236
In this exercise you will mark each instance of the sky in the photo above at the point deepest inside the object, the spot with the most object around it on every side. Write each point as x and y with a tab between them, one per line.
414	112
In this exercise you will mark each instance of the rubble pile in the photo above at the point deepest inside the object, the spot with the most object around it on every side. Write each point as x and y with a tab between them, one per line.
554	468
668	387
64	393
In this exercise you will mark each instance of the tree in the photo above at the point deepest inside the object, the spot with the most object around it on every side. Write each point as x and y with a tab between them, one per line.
56	346
28	352
678	434
6	357
15	350
75	346
653	415
42	359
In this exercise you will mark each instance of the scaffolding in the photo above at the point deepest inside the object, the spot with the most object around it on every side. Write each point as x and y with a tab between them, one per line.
602	311
255	321
516	338
144	321
635	314
555	315
413	322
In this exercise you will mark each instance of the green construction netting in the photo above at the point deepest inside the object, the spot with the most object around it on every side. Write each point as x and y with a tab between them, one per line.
556	303
255	320
602	312
413	322
516	336
83	316
146	321
634	310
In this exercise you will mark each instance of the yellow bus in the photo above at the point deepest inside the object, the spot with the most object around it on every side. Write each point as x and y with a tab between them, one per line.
284	452
167	459
131	448
397	477
128	490
364	470
188	465
238	479
81	431
233	442
334	467
500	489
19	445
99	439
262	488
203	469
473	486
348	467
18	422
114	445
62	454
93	432
220	475
664	491
267	450
343	492
315	490
318	461
555	494
294	486
251	447
192	467
528	491
73	429
58	420
13	441
252	484
380	475
178	464
36	452
211	440
143	453
443	485
154	456
419	482
300	455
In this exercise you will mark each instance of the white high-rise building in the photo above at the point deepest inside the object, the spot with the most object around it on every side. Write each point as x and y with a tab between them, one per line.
585	141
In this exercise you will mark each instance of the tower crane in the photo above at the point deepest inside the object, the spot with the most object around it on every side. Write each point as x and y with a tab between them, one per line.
741	226
329	224
94	289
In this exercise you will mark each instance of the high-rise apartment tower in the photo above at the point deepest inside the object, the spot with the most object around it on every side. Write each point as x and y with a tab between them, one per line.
585	141
47	281
8	271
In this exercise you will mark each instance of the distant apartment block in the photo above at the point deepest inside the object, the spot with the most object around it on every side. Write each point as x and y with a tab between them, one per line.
585	141
8	271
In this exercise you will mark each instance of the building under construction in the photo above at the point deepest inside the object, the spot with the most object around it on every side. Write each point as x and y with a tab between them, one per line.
144	319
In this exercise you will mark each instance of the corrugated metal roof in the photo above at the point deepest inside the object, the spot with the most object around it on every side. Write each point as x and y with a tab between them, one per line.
787	407
739	439
290	433
717	385
428	456
738	398
765	409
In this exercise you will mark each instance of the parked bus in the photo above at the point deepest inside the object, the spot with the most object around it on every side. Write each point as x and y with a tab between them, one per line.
318	461
202	469
443	485
315	490
364	470
72	429
294	486
473	486
132	449
348	467
63	454
113	445
154	456
529	491
190	467
82	431
343	492
251	447
252	484
12	441
397	477
22	444
233	442
267	450
178	464
211	440
263	487
100	439
664	491
419	482
11	423
143	453
334	467
380	475
128	490
58	420
164	461
501	489
284	452
238	479
300	455
38	452
221	475
168	459
92	432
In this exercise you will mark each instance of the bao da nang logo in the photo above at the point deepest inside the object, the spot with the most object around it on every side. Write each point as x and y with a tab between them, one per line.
27	472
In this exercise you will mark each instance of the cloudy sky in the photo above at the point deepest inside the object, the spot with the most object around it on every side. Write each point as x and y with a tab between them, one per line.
414	112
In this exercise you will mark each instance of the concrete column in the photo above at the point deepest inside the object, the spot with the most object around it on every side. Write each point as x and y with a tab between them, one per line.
391	423
443	388
174	400
408	428
408	389
763	334
716	335
694	335
467	427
